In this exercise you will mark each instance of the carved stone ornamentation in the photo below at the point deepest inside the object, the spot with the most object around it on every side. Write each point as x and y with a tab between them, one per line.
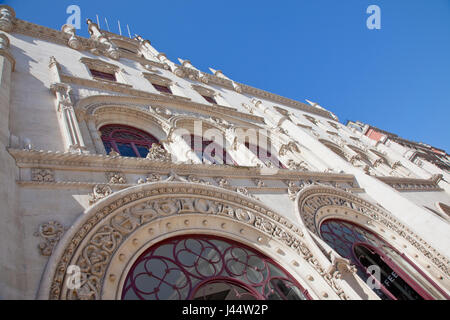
314	198
73	41
293	189
96	240
195	179
158	153
100	191
113	153
298	166
42	175
259	183
222	182
7	16
50	233
116	178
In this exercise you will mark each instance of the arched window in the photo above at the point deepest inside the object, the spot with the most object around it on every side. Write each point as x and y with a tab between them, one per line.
361	153
127	141
399	278
200	267
208	151
334	147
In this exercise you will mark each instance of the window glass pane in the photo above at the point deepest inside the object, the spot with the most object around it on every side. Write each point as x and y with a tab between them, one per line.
108	146
143	150
126	150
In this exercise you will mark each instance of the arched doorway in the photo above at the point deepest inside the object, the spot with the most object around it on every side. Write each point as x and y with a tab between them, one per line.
389	273
201	267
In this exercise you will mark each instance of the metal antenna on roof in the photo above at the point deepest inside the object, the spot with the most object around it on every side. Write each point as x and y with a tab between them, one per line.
129	33
107	25
98	22
120	30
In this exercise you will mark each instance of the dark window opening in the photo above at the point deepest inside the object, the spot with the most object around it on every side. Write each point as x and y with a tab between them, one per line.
103	75
162	88
127	141
210	99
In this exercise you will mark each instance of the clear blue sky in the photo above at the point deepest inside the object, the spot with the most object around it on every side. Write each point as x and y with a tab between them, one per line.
396	78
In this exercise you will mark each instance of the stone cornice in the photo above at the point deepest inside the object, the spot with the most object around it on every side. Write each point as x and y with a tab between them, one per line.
93	162
172	99
41	32
410	184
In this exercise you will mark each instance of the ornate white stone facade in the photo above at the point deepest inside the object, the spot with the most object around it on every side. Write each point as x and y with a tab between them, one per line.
66	200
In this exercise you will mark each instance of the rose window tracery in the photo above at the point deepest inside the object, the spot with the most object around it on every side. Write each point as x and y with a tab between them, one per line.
208	268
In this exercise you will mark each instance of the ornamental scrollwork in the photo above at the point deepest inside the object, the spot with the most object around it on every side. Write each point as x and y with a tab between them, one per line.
108	226
42	175
99	191
158	153
50	233
116	178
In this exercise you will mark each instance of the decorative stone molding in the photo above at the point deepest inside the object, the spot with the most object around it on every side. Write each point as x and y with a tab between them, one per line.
73	161
293	190
49	233
94	240
222	182
42	175
157	79
340	266
259	183
408	184
7	17
311	119
314	198
99	65
293	165
158	153
116	177
195	179
204	91
290	146
99	191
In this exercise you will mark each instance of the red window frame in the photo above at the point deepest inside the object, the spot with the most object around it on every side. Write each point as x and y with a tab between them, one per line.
110	132
220	271
386	259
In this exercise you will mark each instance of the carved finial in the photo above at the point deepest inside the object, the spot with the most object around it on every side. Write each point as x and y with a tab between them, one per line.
7	16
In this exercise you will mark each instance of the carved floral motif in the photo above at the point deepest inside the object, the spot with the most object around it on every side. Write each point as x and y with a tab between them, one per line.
158	153
100	191
50	233
116	178
42	175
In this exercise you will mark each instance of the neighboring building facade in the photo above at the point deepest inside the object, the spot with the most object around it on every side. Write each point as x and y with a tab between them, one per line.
128	176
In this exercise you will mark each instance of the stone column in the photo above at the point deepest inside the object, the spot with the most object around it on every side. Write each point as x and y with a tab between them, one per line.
68	121
96	139
7	64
